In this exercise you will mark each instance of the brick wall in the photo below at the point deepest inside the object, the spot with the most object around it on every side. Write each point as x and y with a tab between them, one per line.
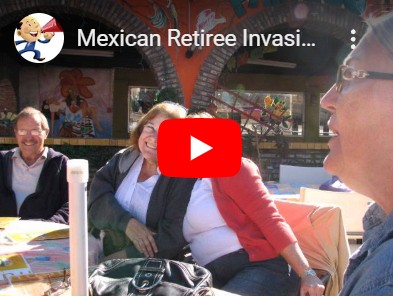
7	96
7	104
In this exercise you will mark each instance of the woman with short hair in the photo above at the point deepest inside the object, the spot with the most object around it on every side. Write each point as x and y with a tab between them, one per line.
132	204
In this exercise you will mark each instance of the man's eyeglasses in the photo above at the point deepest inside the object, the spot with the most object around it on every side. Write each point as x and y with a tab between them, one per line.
345	74
34	132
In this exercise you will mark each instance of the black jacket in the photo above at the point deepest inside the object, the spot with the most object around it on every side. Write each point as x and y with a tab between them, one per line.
49	201
165	212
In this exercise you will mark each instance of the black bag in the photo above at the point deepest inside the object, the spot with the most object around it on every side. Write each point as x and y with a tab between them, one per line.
141	276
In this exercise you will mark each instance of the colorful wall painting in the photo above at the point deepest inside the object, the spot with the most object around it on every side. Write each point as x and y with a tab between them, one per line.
77	102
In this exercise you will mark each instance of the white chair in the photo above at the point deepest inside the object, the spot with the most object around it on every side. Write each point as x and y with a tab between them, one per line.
353	206
307	175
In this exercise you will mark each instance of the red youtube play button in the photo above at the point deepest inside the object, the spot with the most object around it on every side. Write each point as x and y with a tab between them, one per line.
199	147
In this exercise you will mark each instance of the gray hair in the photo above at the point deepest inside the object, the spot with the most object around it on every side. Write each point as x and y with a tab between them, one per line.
382	28
30	112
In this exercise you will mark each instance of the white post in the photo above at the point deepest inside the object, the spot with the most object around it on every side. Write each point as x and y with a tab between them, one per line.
77	177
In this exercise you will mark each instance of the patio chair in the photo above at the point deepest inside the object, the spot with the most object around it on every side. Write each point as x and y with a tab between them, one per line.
353	206
306	175
321	235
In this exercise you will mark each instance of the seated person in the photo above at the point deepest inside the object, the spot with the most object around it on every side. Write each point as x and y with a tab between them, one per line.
361	150
235	230
334	184
132	204
33	178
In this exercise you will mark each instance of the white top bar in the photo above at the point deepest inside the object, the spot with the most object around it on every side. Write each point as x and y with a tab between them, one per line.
77	171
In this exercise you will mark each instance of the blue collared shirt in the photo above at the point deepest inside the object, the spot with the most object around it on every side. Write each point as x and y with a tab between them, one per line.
370	269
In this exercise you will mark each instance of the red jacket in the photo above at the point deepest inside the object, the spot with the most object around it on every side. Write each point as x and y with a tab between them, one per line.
248	209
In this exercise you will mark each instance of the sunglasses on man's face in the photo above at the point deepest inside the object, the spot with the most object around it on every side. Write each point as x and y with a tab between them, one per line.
346	74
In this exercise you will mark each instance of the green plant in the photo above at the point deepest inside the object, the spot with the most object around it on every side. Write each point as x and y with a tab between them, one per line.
167	94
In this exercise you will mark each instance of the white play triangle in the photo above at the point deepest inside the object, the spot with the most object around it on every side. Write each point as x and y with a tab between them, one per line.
198	148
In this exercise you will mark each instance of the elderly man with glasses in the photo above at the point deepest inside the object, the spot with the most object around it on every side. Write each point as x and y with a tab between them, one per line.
33	179
361	106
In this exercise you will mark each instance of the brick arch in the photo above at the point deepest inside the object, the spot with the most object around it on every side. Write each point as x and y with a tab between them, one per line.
111	13
332	20
8	103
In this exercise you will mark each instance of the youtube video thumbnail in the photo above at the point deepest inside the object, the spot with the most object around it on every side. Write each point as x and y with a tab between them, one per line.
229	146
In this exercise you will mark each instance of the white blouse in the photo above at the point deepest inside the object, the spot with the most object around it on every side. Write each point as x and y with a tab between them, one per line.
204	228
134	196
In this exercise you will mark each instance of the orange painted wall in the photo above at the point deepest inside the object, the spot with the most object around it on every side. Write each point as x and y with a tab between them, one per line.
187	13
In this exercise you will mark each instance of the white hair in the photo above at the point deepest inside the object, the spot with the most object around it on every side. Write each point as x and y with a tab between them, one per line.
382	28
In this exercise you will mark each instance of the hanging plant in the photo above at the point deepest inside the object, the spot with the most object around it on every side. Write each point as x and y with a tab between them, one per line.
6	123
276	112
7	118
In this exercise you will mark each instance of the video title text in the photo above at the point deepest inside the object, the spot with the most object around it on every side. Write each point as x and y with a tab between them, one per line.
198	39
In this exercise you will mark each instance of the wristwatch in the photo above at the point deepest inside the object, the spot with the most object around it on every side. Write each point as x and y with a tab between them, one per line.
309	272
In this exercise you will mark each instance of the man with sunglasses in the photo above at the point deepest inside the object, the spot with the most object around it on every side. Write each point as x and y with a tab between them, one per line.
33	179
361	106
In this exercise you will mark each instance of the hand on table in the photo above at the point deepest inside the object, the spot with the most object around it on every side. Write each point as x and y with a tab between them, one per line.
311	286
142	237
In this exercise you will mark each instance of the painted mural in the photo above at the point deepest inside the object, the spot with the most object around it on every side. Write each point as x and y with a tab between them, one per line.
77	102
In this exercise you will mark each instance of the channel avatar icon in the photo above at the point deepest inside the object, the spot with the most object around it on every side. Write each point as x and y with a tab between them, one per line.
38	38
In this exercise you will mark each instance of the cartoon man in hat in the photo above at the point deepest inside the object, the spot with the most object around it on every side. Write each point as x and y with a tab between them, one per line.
30	30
